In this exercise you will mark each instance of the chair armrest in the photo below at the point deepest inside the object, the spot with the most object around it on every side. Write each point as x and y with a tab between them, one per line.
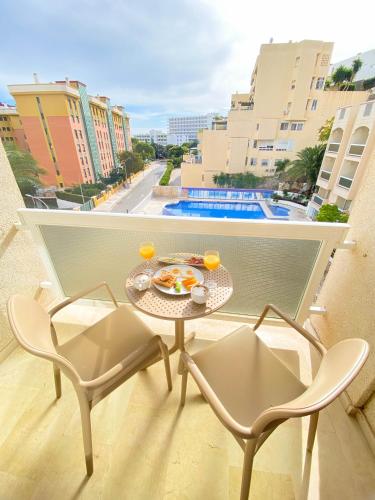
79	295
318	345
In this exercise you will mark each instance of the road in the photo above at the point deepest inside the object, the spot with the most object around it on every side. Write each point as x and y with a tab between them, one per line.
141	191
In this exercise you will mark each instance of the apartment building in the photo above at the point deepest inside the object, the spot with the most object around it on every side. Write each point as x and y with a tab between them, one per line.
75	137
351	148
185	128
11	131
279	116
156	136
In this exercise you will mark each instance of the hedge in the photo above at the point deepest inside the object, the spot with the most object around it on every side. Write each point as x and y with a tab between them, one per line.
76	198
164	181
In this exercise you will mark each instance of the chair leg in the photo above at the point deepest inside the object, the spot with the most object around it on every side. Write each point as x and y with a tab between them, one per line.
165	355
312	431
184	379
247	468
84	406
57	377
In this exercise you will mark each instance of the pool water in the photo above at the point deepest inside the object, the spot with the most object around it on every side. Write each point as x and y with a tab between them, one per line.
251	210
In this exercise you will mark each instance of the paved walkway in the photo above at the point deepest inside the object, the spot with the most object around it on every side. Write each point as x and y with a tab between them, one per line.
108	205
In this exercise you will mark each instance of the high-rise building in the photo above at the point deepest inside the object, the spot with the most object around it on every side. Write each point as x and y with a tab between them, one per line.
185	128
279	116
350	151
75	137
11	131
156	136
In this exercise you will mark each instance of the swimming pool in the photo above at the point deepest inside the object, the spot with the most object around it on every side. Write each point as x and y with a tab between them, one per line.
251	210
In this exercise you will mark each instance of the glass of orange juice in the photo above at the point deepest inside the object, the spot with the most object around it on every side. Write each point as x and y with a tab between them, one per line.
211	261
147	251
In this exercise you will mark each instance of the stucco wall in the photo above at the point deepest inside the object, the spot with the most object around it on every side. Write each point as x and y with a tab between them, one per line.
21	269
349	292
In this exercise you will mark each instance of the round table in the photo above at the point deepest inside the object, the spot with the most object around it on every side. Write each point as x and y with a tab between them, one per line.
178	308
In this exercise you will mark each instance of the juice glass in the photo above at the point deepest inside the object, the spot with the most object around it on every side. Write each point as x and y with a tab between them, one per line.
147	251
211	261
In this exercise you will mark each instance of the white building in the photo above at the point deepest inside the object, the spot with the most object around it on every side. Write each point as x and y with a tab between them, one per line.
184	128
156	136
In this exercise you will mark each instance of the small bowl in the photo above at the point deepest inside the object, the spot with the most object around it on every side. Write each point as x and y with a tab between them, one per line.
142	281
199	297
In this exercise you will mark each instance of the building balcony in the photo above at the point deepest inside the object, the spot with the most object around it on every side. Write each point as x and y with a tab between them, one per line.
356	149
333	147
144	443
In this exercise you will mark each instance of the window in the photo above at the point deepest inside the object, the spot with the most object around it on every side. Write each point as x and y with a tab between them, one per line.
284	126
342	113
79	148
319	83
255	143
298	59
368	109
314	104
72	117
264	163
76	134
257	126
246	160
296	126
293	85
253	162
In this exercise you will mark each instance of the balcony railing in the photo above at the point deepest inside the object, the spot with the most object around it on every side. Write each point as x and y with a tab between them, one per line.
325	174
318	200
356	149
333	147
345	182
281	262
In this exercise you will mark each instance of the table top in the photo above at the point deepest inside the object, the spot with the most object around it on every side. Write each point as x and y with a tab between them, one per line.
160	305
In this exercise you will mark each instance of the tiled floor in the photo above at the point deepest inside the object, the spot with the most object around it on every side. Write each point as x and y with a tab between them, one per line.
145	447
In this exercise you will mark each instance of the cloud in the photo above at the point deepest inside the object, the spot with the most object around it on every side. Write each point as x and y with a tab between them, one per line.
168	57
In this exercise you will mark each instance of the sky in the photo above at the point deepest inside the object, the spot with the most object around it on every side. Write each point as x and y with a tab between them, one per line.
165	58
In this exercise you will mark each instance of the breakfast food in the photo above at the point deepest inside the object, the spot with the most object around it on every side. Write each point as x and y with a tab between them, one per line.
165	279
189	282
195	261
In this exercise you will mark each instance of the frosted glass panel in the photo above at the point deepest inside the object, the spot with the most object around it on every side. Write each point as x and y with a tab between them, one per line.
263	269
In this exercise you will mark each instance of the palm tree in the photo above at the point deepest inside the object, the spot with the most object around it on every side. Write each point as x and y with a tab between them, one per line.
342	74
306	167
281	165
356	66
25	169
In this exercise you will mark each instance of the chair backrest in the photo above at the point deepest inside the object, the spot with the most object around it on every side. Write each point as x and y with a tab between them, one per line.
338	368
30	324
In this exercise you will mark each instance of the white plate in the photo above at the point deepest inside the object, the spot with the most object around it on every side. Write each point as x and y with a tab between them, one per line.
183	268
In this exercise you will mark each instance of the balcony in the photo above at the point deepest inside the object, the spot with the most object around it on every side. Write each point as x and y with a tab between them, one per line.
143	443
345	182
333	147
325	175
356	149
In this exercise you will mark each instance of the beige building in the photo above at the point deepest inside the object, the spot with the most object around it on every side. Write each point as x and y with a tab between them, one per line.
11	130
282	114
351	147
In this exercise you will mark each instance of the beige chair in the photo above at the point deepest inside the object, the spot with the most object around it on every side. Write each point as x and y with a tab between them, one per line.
252	392
96	361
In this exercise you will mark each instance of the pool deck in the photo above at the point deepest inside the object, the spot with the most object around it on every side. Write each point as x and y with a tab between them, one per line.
154	206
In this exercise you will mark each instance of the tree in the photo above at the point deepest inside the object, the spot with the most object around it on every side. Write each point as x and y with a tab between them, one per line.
131	161
341	74
239	181
144	149
160	150
306	167
325	130
331	213
356	66
281	165
25	169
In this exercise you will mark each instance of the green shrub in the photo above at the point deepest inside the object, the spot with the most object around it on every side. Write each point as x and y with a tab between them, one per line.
164	181
331	213
63	195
